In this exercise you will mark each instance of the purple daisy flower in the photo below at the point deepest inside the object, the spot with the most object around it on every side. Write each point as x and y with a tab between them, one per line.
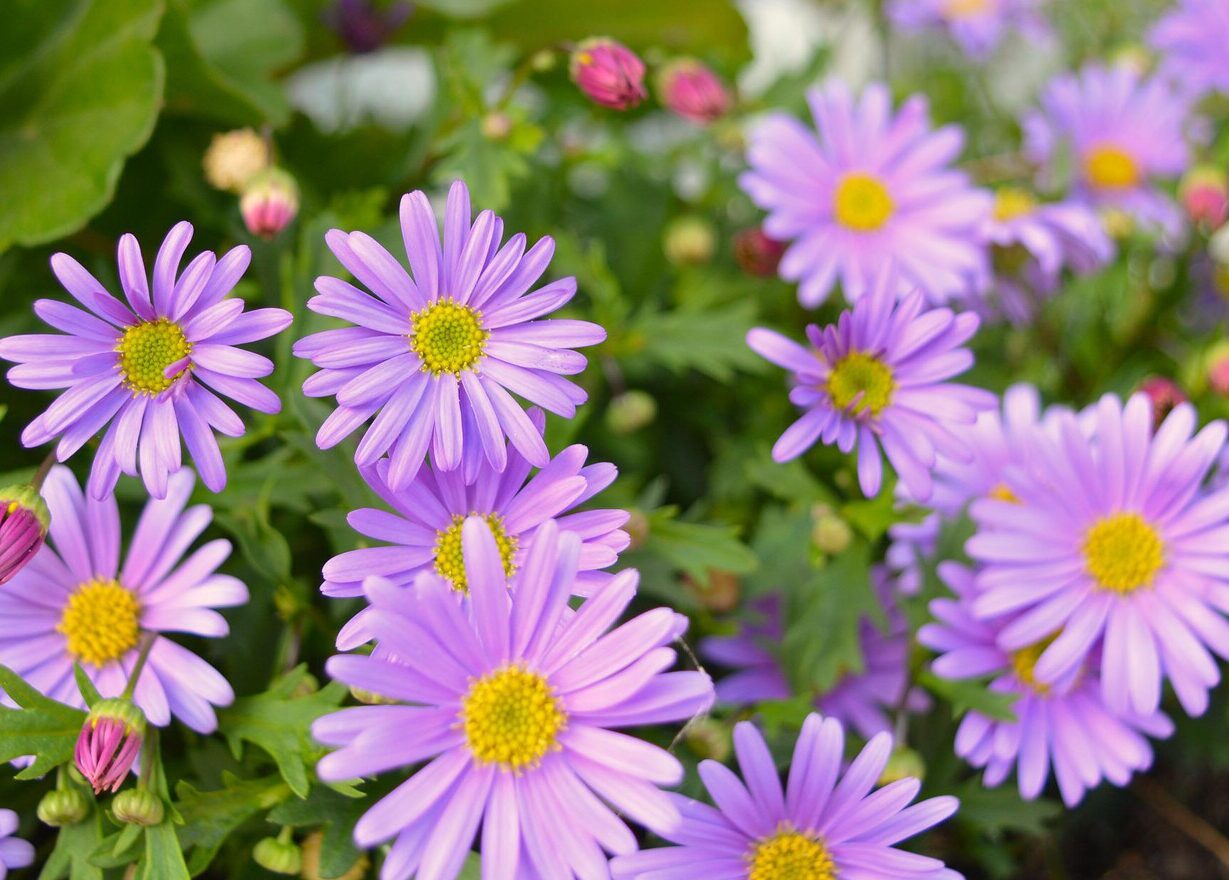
820	825
14	852
76	604
1065	724
511	708
1031	243
1113	545
1115	137
876	379
1192	38
147	367
861	700
433	358
424	531
873	195
977	26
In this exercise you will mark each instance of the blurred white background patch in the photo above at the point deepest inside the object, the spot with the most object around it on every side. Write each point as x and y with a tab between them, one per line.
390	88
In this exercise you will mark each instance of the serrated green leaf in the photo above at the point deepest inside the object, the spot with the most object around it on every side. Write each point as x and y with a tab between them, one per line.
697	548
80	87
74	847
995	810
42	727
279	722
712	341
210	816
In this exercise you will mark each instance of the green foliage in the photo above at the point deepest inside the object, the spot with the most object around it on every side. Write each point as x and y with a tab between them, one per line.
40	727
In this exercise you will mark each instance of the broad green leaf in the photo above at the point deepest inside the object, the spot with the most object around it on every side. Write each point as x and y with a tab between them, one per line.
74	845
336	813
41	727
697	547
210	816
163	858
80	87
279	721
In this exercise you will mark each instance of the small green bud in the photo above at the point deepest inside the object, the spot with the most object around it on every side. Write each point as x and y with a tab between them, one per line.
138	806
709	738
63	807
831	534
278	856
690	241
630	411
904	763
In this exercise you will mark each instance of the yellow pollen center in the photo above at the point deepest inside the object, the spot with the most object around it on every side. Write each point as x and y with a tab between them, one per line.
862	202
1001	492
511	717
102	622
449	560
448	337
789	855
1024	661
861	381
1123	552
1111	168
145	352
1011	202
958	9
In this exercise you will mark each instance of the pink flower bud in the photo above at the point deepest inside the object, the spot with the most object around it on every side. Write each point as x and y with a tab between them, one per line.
609	73
109	742
1164	393
756	253
1204	193
693	91
269	203
23	528
1218	368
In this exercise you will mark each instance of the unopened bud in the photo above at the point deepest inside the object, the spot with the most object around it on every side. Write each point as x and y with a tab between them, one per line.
1164	394
718	592
234	158
1204	194
269	203
690	241
709	738
637	528
630	411
609	73
496	126
63	807
278	856
831	534
758	254
138	806
1218	368
109	742
693	91
904	763
23	528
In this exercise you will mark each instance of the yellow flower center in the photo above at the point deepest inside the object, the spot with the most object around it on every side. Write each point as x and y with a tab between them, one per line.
1024	662
448	337
450	561
1123	552
146	350
789	855
102	622
1111	168
862	381
511	717
958	9
862	202
1011	202
1002	492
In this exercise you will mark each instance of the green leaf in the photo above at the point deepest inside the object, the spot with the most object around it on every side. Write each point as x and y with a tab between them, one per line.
488	167
279	722
80	87
336	813
210	816
163	858
712	341
74	846
1000	809
85	686
41	727
697	547
970	695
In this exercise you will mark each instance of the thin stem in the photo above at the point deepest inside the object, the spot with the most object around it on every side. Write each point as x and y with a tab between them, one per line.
148	752
43	469
146	645
1182	818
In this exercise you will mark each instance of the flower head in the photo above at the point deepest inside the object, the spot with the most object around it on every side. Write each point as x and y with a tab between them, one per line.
821	825
873	195
1192	38
511	707
693	91
14	853
269	203
1111	137
432	359
609	73
23	528
1204	194
1108	543
1064	724
425	525
977	26
78	605
109	743
876	379
149	368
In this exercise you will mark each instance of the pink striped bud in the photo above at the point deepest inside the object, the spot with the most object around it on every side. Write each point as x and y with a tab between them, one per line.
693	91
609	73
109	742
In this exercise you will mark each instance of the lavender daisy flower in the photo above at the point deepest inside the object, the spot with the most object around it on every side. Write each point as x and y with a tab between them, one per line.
14	852
873	194
432	359
1192	38
876	379
1118	136
1113	545
1031	243
861	700
511	708
821	825
147	367
1065	724
977	26
77	604
424	531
